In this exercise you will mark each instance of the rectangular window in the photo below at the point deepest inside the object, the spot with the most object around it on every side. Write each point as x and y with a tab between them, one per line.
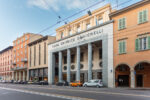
100	21
78	29
72	58
62	35
30	57
122	47
45	53
65	59
142	16
82	56
122	23
142	43
70	32
34	55
39	54
88	25
100	53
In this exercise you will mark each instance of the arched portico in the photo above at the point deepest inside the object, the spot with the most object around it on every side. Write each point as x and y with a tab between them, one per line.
122	75
142	75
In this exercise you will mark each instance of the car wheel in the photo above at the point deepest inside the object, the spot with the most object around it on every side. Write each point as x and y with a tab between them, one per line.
85	85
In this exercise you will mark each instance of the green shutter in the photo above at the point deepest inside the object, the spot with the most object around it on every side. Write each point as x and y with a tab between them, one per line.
140	17
136	44
148	42
119	47
124	47
145	15
119	24
123	23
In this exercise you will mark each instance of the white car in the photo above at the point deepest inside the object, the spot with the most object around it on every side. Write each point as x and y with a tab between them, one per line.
93	83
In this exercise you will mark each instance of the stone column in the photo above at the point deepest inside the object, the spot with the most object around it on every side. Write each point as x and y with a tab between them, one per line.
51	67
132	77
19	75
68	65
78	64
16	76
23	75
60	66
89	61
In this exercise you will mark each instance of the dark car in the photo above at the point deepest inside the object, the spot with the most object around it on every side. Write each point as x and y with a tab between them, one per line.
63	83
43	83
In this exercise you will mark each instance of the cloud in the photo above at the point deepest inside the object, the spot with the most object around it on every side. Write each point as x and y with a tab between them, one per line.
58	4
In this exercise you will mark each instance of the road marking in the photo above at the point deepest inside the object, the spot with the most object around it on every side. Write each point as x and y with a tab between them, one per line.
97	92
46	94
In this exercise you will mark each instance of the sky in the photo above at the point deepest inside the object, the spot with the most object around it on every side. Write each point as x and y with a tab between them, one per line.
21	16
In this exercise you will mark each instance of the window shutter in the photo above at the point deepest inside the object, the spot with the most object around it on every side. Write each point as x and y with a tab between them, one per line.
119	47
145	15
123	23
140	18
136	44
124	47
148	42
119	24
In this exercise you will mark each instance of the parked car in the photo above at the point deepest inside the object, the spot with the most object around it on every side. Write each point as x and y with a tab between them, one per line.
76	84
93	83
43	83
63	83
30	82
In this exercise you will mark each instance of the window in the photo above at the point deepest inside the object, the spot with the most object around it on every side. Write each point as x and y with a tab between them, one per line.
18	41
122	23
88	25
72	58
65	59
62	35
142	43
142	16
26	38
34	55
39	54
78	29
100	21
30	57
21	45
70	32
82	57
44	52
100	53
122	47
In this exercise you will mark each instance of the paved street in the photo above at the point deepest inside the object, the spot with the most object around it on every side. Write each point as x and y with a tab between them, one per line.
35	92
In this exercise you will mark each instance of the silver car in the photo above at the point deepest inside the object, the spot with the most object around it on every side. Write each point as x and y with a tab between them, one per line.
93	83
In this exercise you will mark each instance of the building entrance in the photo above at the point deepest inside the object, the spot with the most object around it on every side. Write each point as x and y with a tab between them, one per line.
123	80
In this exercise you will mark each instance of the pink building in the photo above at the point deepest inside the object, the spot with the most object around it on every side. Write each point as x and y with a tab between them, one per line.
6	64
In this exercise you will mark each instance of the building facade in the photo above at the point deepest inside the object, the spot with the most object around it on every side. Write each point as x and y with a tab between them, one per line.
6	64
38	58
20	57
83	50
132	45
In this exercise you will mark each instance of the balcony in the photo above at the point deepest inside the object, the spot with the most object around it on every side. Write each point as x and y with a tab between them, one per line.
19	68
24	60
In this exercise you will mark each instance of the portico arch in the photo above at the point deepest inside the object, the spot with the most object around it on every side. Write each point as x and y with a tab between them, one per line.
142	70
122	75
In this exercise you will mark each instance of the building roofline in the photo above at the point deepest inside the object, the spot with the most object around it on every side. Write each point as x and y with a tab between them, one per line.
40	39
129	7
84	16
6	49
